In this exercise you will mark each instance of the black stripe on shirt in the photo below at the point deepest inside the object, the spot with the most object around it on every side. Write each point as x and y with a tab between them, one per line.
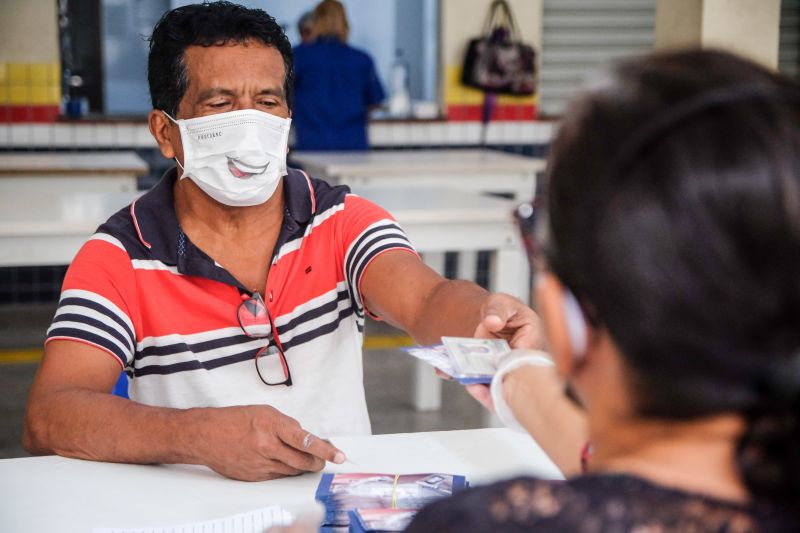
79	334
324	329
311	314
250	354
363	243
93	322
203	346
194	364
100	308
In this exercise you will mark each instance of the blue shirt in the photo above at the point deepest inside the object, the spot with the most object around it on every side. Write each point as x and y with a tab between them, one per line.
335	85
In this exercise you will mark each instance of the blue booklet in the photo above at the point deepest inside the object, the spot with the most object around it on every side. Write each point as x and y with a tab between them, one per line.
377	520
343	493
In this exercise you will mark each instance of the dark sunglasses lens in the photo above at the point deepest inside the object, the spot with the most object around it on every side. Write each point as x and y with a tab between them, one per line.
271	366
253	318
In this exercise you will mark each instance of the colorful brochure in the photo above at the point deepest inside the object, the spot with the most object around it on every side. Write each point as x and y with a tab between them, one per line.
368	493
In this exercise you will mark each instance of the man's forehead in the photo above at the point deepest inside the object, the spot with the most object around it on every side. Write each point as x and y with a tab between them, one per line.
251	54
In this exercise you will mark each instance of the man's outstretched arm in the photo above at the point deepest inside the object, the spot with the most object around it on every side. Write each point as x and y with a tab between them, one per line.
401	289
71	412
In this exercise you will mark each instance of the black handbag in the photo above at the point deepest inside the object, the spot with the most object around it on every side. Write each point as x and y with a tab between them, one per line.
498	62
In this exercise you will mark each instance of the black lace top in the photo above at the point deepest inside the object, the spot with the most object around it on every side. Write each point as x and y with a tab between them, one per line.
594	503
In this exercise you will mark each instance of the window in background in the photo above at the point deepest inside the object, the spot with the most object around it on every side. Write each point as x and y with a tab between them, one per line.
126	26
579	37
81	54
789	44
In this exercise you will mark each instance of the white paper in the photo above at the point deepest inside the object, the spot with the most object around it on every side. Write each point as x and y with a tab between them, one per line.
251	522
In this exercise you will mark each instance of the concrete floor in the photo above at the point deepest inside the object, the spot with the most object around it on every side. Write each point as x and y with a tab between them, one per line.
387	378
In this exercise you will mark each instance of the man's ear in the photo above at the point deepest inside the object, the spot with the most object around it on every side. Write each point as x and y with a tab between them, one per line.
163	132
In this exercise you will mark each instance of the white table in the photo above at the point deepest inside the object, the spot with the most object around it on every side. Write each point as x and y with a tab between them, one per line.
479	170
26	174
49	228
439	220
46	494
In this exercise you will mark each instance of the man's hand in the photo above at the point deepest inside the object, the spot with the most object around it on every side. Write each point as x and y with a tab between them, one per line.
481	393
256	443
506	317
70	412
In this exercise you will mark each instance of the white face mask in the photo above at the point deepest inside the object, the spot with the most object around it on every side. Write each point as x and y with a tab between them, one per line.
238	157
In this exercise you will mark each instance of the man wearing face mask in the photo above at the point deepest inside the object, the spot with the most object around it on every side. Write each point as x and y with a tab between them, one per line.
234	293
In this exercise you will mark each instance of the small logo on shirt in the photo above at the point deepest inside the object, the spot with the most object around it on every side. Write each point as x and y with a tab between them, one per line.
308	269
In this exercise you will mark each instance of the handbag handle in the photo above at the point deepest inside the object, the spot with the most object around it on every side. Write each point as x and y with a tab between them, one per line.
497	9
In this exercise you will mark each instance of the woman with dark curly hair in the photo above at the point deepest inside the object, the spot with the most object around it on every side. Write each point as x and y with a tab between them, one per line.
669	288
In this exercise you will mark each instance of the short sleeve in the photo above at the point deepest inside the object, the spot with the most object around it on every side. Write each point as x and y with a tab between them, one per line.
368	231
97	298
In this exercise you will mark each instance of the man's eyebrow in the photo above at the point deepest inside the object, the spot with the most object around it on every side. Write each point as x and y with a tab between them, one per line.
272	91
214	91
219	91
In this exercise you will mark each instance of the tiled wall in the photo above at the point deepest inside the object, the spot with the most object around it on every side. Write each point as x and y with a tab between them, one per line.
29	92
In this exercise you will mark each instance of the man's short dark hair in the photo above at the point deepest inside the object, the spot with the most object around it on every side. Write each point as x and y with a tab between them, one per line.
206	24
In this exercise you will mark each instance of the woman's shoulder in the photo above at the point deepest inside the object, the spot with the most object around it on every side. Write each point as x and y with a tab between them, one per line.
600	503
331	47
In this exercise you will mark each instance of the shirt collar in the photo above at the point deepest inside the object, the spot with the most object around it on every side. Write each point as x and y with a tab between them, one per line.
157	225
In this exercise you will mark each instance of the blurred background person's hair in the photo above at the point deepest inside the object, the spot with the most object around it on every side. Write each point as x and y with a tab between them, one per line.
330	19
305	27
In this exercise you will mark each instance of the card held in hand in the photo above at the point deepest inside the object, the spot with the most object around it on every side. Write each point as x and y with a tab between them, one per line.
475	357
465	359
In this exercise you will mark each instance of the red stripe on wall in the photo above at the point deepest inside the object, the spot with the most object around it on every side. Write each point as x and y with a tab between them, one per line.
28	113
473	112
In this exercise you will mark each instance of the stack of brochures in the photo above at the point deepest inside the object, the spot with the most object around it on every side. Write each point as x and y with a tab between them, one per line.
466	360
380	502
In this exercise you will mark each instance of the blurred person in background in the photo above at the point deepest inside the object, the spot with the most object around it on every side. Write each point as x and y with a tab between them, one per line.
305	27
670	299
335	88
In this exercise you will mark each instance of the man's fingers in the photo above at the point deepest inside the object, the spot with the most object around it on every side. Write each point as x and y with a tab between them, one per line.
277	469
506	317
308	444
498	310
527	336
443	375
503	305
323	449
482	394
297	457
260	471
493	322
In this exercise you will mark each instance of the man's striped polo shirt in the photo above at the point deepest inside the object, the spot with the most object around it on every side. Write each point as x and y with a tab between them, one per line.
142	292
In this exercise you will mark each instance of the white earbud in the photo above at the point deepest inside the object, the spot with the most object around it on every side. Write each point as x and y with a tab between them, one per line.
576	324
